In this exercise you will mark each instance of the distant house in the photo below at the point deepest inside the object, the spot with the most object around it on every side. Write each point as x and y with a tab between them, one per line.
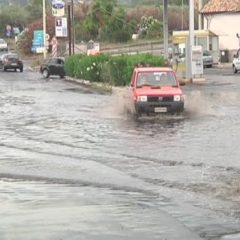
223	18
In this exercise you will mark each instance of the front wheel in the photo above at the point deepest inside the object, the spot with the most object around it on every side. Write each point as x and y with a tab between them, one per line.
45	73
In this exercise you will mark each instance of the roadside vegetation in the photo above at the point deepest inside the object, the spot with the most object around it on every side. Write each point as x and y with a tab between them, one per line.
112	70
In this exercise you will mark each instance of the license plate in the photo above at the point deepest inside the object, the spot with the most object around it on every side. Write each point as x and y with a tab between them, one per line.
160	109
14	64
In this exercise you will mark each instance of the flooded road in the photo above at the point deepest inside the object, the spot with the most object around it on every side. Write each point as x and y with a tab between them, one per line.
75	165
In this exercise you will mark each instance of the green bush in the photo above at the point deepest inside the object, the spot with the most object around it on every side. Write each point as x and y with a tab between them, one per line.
114	70
85	67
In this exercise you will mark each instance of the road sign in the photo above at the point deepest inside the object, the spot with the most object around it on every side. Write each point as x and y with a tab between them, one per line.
61	27
58	8
197	61
38	43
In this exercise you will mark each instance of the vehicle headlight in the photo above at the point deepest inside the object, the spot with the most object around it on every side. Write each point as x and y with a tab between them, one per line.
177	98
142	98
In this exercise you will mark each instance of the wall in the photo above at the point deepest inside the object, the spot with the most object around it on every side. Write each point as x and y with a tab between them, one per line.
226	25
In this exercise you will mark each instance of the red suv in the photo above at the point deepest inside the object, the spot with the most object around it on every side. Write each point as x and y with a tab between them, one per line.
156	90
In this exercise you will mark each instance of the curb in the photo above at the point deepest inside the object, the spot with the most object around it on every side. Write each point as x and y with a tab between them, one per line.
94	86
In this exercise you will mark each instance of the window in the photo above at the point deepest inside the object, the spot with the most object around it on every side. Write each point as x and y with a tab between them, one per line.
156	79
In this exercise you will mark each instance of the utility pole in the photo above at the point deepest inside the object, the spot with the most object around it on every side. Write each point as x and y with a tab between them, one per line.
182	14
69	30
165	28
200	17
44	29
73	32
190	41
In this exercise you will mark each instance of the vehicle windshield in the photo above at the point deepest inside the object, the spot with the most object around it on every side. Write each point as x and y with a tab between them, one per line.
12	56
156	79
3	50
2	41
206	53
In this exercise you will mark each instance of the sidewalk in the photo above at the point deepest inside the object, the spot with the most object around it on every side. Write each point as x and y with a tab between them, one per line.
223	65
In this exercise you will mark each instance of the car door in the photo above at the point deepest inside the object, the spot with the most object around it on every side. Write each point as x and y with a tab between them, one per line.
237	60
1	61
60	67
52	65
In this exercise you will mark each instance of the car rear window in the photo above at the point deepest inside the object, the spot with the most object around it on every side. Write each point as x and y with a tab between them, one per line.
12	57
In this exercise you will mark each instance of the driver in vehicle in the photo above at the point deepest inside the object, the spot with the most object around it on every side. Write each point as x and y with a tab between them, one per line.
142	80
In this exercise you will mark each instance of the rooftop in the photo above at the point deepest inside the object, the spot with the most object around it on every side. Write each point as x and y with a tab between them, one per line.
219	6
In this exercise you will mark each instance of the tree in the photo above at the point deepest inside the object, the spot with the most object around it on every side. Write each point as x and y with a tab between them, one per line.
35	10
102	10
25	40
90	27
12	15
150	27
117	29
86	30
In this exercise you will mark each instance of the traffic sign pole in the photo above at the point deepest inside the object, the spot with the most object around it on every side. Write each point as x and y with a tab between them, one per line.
54	44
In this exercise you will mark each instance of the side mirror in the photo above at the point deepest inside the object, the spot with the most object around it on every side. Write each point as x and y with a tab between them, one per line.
235	55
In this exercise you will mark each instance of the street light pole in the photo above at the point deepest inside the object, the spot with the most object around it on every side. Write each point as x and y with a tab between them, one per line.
165	27
182	14
69	30
73	32
44	29
190	41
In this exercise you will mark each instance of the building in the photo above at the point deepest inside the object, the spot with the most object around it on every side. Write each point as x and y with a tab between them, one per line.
222	17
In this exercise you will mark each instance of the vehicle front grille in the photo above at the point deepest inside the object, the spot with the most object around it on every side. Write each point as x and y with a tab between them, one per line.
160	99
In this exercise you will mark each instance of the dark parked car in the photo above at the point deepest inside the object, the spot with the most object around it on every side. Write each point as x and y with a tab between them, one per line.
11	61
53	66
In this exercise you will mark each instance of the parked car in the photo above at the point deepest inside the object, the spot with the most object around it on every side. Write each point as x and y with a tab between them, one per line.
236	62
3	44
3	51
156	90
53	66
11	61
207	59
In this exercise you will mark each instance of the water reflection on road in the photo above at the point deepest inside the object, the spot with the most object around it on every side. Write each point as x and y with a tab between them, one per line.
75	165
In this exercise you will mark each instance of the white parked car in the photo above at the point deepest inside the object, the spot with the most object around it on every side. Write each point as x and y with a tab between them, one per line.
236	62
207	59
3	44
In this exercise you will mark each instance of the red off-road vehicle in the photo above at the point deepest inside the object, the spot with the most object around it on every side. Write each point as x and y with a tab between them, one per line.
156	90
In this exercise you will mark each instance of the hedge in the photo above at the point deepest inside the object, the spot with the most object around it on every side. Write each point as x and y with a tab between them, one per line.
114	70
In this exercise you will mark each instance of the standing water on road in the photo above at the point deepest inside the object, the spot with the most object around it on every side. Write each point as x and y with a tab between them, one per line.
75	165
